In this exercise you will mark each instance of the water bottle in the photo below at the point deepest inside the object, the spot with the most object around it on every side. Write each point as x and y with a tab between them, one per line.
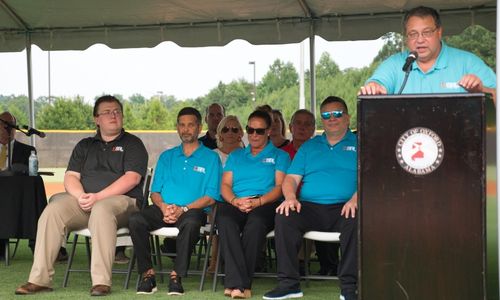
33	164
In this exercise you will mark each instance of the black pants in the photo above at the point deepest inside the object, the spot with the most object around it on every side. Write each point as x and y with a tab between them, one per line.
151	218
4	243
242	237
328	256
289	233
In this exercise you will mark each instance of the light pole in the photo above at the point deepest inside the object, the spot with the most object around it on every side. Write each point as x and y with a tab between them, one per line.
254	84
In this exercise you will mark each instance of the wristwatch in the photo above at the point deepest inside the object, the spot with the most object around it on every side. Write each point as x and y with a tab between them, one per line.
185	208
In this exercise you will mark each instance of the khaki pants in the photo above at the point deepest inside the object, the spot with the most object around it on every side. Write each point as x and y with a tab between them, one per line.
63	215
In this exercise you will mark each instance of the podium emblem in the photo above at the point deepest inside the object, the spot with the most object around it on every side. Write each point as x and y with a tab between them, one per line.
419	151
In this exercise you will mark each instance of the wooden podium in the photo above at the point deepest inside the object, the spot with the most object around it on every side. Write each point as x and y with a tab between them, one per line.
422	193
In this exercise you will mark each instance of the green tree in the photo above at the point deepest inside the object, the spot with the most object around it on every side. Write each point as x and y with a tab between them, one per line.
137	99
154	115
326	67
393	43
477	40
66	113
280	75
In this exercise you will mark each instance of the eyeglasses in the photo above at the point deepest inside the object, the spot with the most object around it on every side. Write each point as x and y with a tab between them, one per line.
335	113
413	35
233	129
108	113
259	131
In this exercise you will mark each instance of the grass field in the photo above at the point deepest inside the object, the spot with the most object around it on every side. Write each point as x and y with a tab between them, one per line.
79	283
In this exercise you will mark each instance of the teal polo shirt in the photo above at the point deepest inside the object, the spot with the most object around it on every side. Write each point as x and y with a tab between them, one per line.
329	173
182	179
451	65
255	175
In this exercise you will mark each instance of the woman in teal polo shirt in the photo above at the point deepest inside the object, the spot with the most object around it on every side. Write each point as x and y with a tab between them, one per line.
251	185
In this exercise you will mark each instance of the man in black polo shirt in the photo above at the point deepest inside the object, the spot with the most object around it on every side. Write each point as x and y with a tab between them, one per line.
103	187
213	115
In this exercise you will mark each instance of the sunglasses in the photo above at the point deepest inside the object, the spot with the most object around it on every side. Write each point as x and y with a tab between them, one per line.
233	129
259	131
335	113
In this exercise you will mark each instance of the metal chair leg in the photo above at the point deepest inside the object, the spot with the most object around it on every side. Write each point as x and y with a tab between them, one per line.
7	254
70	261
216	272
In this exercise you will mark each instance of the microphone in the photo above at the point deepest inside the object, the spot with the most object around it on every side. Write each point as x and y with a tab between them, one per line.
412	56
32	131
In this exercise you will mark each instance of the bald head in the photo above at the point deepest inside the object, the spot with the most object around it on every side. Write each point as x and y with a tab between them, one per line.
4	132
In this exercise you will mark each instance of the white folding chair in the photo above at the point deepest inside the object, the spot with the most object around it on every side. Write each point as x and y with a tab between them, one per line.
322	236
122	239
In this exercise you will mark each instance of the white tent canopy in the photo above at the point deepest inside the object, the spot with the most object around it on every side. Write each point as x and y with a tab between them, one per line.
77	25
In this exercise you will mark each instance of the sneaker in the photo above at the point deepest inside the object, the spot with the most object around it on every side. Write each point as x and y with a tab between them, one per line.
175	286
147	285
280	293
349	296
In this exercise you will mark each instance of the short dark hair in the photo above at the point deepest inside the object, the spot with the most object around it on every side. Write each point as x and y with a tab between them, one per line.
106	98
264	115
422	11
305	112
215	103
189	111
334	99
264	107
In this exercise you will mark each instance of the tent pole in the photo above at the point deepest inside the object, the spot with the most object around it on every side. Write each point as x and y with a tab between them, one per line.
312	66
30	86
302	96
497	144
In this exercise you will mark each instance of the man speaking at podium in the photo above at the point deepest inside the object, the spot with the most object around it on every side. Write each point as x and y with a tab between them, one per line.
429	65
20	155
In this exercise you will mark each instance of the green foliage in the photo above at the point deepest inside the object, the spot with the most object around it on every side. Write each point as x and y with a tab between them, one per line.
393	44
477	40
66	114
137	99
326	67
280	75
154	115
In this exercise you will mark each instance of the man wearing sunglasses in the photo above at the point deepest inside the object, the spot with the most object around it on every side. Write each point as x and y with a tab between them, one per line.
327	167
438	67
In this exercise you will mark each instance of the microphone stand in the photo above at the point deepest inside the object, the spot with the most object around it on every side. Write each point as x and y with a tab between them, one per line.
7	127
407	73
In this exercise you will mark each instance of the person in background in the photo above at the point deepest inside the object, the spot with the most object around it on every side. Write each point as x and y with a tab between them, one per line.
103	185
20	156
251	185
438	68
278	130
229	135
302	126
213	115
186	182
327	202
